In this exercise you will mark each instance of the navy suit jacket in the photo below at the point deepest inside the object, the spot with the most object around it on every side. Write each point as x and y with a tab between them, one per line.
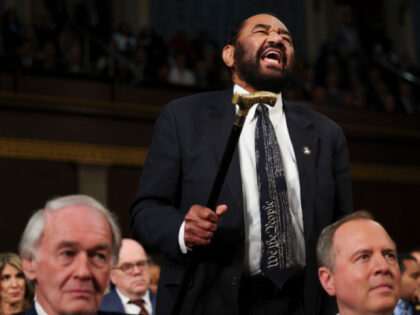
188	143
112	302
32	311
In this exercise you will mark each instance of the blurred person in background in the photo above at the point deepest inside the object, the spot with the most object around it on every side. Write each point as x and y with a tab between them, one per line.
154	271
416	303
15	294
410	272
130	293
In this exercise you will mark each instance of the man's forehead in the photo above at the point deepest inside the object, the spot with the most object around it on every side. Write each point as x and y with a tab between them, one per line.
131	251
76	224
361	234
411	265
264	19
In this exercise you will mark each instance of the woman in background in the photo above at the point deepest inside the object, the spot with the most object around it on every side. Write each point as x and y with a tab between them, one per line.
15	294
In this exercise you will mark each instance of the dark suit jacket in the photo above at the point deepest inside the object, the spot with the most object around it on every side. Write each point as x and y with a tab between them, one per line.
32	311
112	302
188	143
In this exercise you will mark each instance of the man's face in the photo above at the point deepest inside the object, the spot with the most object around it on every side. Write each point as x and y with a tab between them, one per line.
409	279
416	255
366	276
131	276
263	54
73	261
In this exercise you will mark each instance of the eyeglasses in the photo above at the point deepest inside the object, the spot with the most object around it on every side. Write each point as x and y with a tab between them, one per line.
128	267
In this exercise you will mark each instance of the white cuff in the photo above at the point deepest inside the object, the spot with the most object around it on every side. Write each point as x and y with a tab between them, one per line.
181	240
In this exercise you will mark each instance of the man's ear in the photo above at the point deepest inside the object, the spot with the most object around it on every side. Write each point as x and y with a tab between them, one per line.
29	268
113	276
327	280
227	55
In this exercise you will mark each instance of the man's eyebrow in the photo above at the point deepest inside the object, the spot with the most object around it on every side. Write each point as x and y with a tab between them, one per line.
261	26
389	251
361	251
265	26
67	244
102	246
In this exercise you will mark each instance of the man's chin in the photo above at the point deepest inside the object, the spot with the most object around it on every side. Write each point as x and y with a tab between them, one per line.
140	289
384	303
80	311
80	306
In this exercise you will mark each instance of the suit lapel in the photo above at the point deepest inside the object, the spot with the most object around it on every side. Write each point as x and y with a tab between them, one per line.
305	145
31	310
221	121
118	303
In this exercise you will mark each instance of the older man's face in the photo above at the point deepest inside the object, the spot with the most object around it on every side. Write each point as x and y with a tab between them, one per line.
366	276
74	261
263	54
131	276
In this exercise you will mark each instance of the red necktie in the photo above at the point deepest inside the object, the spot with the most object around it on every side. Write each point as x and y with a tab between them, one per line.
140	303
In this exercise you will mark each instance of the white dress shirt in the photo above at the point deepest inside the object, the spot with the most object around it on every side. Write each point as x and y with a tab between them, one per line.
131	308
250	185
38	308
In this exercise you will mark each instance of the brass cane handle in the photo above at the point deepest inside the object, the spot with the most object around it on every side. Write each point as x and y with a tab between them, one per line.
245	101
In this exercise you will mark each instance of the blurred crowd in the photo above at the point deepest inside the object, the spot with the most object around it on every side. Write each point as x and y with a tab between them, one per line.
351	71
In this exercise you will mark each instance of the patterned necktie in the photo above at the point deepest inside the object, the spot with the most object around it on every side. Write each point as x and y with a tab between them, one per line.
278	260
140	303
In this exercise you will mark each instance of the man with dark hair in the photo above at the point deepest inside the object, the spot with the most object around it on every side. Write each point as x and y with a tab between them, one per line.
410	272
358	265
288	178
416	303
416	254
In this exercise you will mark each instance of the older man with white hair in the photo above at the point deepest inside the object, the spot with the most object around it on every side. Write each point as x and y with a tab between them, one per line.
67	251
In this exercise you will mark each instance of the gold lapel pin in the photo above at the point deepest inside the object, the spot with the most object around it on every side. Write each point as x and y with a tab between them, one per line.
306	150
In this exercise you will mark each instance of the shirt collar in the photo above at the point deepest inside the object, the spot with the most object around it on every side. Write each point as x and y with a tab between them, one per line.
402	304
275	112
125	300
38	308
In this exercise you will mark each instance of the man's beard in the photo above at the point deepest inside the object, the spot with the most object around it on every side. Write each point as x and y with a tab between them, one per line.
251	73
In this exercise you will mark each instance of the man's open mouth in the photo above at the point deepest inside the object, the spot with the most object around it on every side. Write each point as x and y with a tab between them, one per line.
273	56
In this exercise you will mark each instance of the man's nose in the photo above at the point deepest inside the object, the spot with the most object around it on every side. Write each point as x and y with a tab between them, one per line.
275	37
82	266
137	270
381	265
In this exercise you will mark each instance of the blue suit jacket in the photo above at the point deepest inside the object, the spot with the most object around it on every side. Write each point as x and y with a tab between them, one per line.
32	311
112	302
184	157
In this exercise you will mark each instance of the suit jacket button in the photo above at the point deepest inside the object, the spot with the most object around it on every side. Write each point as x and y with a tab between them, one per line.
235	281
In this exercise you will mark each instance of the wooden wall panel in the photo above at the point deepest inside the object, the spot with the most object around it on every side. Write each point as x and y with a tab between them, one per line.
25	186
395	205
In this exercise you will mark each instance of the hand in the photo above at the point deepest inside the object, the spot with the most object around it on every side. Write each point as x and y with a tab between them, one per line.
200	224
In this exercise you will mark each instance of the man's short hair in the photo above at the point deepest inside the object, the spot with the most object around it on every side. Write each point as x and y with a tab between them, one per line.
233	36
32	234
324	249
404	256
